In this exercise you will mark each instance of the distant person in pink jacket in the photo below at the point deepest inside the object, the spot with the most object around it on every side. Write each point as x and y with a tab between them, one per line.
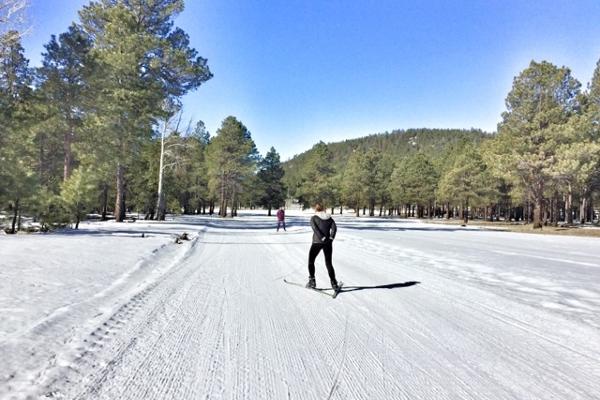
280	219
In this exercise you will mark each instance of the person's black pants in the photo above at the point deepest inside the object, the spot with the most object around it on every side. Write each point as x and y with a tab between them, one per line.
315	249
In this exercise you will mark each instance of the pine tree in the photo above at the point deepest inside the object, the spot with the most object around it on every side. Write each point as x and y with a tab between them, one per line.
200	194
414	182
64	77
78	194
316	185
143	63
354	182
270	174
385	170
16	143
372	177
542	97
232	158
467	182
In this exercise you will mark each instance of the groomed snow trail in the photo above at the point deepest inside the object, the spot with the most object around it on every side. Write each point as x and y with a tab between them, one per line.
425	314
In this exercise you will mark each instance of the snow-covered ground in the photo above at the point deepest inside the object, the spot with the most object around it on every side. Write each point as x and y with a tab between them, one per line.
428	312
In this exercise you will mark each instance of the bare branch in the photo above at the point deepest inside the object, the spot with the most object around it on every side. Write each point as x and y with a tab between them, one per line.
13	19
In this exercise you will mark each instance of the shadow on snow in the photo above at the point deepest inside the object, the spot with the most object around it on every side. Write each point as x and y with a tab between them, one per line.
387	286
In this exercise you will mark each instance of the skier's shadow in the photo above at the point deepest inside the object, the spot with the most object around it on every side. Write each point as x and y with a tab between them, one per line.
388	286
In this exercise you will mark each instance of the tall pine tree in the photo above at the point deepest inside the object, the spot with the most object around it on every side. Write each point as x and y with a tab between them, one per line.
143	62
270	177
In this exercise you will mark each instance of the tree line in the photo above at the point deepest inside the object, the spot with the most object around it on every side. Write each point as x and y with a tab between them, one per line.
542	165
98	125
98	128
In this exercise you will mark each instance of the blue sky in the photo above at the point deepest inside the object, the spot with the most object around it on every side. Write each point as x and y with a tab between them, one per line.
296	72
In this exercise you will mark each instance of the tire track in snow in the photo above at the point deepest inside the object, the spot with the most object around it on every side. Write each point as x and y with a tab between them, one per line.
100	353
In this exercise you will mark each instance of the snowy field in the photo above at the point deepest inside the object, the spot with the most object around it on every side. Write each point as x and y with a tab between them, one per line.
428	312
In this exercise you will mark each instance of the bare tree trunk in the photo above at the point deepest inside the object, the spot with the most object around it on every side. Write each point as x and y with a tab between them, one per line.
104	201
555	209
68	158
120	200
161	207
223	208
222	201
15	213
537	214
583	210
233	202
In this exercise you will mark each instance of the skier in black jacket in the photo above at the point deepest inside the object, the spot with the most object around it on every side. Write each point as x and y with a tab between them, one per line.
324	229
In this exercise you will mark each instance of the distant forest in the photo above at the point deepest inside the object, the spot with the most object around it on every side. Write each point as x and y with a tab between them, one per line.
542	166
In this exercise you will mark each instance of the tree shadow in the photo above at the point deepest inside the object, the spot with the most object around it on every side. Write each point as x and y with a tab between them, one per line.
372	227
387	286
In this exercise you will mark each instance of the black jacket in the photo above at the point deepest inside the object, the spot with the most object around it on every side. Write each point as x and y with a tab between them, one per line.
324	228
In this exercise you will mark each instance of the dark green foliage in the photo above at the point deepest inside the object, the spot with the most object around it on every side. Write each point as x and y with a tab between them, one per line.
414	181
316	184
543	99
64	95
468	182
17	156
396	145
231	162
272	191
144	63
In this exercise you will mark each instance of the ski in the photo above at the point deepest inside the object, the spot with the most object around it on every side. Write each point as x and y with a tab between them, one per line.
338	290
319	290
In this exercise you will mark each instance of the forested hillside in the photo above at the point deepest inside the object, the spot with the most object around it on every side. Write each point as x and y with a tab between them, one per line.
542	166
397	144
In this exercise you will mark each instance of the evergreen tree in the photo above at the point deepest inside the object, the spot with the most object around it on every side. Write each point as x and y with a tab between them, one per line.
414	182
542	97
354	182
317	176
199	191
143	62
372	177
16	143
64	79
577	157
467	182
78	193
231	157
270	175
385	170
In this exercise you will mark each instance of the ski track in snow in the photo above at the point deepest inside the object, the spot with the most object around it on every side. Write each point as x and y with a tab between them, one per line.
473	315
